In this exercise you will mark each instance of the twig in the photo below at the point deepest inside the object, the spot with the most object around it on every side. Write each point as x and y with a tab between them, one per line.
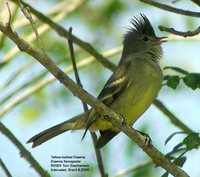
172	9
2	39
134	168
64	33
180	33
98	155
9	12
23	152
93	135
5	169
171	116
28	16
71	49
102	109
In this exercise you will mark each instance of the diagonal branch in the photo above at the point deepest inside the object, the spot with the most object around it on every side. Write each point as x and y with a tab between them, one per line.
23	152
102	109
171	9
93	135
180	33
29	17
5	169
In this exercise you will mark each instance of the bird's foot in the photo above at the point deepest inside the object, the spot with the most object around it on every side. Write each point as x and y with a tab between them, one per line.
146	138
121	119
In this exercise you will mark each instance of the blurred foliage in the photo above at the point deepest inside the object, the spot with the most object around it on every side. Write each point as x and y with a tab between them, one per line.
107	9
147	171
191	80
177	155
34	108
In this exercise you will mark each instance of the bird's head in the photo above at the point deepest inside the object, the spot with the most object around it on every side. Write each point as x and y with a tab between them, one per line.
141	39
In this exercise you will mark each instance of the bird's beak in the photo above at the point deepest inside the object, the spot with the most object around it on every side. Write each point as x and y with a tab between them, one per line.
161	39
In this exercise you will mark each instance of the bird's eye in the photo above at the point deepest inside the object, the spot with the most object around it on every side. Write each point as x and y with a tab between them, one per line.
145	38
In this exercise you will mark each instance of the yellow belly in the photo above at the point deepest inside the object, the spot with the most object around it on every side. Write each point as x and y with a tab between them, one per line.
137	97
132	104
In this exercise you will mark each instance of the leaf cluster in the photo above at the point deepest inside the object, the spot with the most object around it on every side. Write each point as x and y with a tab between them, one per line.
191	80
190	142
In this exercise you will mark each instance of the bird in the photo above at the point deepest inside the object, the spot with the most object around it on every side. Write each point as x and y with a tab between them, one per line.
129	91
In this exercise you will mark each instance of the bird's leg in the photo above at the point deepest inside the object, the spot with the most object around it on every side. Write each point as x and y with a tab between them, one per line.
122	119
147	140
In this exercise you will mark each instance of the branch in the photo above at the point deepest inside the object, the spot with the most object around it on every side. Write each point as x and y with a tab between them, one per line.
172	9
93	135
5	169
171	116
23	152
29	17
64	33
99	156
102	109
180	33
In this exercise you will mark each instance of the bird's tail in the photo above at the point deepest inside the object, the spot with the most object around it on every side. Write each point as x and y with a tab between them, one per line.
75	123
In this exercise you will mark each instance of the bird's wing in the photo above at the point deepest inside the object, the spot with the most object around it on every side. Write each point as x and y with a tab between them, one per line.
113	88
116	84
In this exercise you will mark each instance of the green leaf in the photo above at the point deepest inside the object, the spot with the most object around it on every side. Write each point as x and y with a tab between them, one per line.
2	64
180	70
166	77
192	141
171	136
169	156
180	161
192	80
173	81
176	148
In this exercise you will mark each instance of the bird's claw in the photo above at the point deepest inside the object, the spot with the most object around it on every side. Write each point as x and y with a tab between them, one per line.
146	138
